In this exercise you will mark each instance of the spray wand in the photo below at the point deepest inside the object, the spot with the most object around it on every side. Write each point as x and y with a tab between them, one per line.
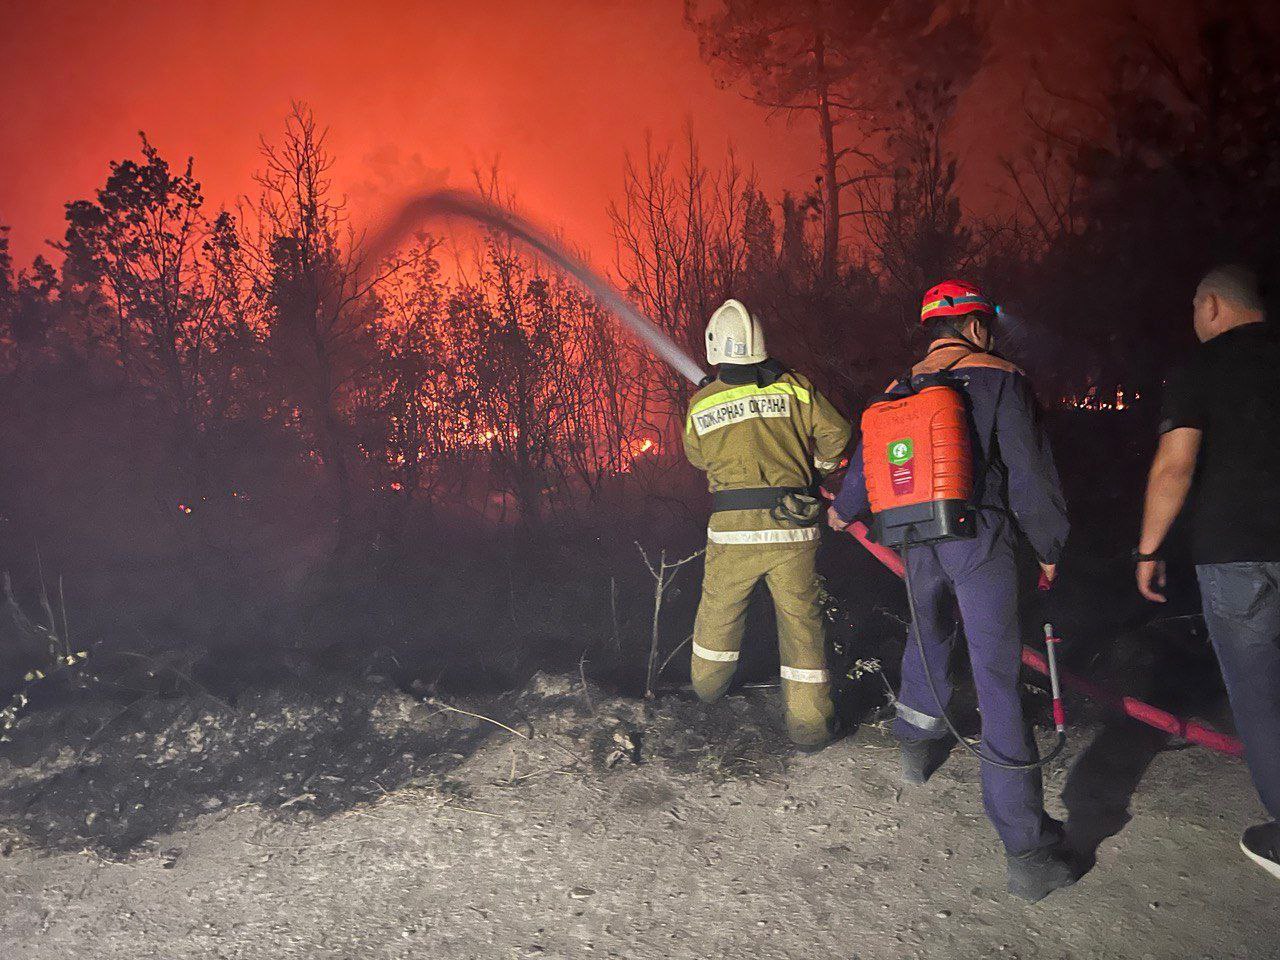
1051	641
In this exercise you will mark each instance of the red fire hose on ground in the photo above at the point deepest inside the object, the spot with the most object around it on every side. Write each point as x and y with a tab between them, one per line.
1189	730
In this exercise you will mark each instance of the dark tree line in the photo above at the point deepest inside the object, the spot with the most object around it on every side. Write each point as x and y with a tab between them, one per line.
483	379
255	342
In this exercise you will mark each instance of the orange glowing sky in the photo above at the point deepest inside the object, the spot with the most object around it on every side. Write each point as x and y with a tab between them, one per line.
417	93
412	92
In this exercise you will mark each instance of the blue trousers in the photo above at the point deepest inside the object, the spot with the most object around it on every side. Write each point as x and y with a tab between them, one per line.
972	584
1242	610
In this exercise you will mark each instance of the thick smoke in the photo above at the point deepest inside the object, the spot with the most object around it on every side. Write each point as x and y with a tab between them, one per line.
442	204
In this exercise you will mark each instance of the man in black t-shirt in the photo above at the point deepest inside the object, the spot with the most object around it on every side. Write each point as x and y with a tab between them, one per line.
1219	457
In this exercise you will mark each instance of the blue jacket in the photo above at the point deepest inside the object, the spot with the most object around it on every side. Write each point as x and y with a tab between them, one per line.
1014	470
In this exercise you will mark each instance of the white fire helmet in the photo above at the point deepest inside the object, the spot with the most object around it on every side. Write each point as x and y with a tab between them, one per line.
734	335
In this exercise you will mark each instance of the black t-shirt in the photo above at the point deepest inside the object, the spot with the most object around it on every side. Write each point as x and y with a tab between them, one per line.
1230	390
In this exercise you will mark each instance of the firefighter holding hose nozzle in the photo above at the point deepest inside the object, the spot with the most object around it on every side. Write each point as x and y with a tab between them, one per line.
960	556
765	438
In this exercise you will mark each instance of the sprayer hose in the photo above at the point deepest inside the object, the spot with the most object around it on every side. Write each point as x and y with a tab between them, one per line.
969	745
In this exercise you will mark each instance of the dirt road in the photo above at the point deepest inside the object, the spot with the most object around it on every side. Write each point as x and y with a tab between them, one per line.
719	843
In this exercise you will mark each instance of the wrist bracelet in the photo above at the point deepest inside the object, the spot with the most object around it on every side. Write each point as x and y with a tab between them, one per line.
1137	556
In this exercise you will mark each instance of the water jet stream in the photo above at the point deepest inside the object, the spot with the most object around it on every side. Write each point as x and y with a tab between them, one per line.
442	204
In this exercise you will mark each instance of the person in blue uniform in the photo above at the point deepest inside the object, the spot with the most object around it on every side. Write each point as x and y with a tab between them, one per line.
972	584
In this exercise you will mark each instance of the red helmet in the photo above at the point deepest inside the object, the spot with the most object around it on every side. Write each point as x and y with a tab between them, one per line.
954	298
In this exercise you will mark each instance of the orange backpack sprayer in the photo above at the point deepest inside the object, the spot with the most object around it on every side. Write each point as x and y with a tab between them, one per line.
918	466
917	461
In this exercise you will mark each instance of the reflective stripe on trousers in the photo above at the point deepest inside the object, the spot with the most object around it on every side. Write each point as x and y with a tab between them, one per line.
920	720
715	656
798	675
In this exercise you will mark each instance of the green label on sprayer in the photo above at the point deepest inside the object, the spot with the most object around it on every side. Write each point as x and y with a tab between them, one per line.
900	451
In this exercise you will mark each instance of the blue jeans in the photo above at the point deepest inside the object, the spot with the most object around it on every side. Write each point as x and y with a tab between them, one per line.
1242	609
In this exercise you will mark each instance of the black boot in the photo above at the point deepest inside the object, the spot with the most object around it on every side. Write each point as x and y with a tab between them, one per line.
920	758
1261	844
1035	875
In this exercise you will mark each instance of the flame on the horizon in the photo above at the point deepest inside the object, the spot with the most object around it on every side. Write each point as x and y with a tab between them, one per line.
1095	401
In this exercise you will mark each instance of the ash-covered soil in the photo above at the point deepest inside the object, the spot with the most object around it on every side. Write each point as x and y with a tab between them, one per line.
125	775
327	820
94	775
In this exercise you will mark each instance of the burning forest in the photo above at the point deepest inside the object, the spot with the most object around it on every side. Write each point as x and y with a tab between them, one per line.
665	480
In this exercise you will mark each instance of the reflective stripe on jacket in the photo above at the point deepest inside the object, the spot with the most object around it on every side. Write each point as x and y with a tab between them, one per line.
771	433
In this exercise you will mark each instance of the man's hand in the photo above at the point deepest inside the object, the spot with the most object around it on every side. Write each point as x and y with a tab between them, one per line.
834	521
1048	574
1049	600
1151	575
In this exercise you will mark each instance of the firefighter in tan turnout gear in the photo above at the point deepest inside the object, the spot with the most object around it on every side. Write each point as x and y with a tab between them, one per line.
765	437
